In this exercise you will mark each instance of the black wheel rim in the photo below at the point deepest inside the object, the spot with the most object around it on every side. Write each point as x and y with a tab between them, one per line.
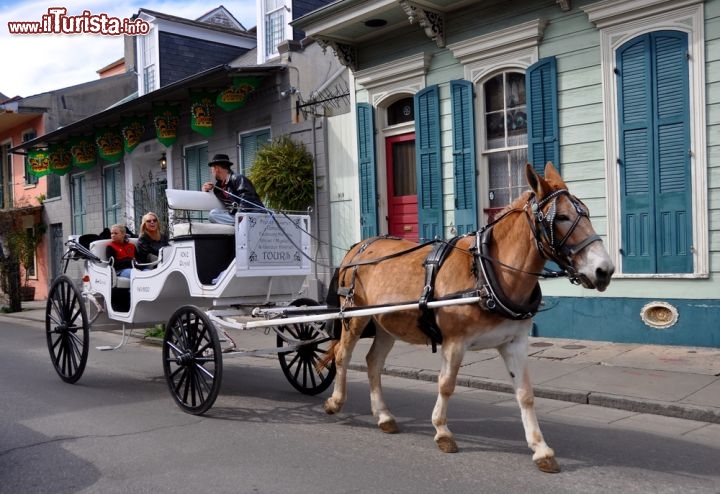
192	360
302	367
66	328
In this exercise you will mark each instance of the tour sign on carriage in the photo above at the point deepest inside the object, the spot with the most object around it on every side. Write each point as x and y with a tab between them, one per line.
475	291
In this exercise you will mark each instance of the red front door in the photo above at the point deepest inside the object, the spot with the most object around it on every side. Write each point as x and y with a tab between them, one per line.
402	187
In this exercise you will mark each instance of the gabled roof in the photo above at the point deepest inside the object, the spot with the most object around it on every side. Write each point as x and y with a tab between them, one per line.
222	15
218	77
196	24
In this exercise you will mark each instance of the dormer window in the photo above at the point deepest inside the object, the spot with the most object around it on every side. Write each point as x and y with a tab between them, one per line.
275	25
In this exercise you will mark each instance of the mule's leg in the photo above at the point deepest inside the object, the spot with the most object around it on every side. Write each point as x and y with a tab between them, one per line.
452	356
381	346
343	354
514	353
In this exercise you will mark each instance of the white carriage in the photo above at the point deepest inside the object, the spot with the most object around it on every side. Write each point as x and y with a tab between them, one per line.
210	275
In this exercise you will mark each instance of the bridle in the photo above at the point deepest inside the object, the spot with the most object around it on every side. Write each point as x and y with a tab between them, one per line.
542	225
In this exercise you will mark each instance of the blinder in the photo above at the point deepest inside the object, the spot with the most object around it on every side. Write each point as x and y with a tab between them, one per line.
542	224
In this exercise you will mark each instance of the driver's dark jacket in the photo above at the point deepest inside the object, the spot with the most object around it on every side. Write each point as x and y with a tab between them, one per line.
238	194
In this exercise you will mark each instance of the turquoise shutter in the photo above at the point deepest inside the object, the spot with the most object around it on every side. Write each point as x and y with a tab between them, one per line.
429	176
366	164
463	134
653	111
196	159
542	114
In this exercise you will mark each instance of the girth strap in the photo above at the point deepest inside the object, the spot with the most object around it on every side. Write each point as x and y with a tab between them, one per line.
432	263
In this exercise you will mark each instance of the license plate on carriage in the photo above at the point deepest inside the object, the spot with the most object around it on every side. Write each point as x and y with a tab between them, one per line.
272	244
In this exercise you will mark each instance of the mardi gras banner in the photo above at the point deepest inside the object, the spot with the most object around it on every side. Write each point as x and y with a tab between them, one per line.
132	129
202	104
83	151
238	93
166	119
109	143
60	158
38	162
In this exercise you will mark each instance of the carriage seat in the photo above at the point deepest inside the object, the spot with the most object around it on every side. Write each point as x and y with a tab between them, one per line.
195	200
99	248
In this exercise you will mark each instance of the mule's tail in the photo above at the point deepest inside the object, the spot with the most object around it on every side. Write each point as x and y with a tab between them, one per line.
327	359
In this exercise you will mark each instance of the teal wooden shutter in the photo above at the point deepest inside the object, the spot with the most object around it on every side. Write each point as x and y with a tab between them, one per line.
542	114
429	174
196	169
654	145
250	144
463	134
366	172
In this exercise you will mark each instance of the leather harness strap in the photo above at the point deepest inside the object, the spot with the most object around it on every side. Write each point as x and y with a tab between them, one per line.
432	263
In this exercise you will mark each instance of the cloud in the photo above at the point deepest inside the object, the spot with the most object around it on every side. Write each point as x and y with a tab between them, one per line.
38	63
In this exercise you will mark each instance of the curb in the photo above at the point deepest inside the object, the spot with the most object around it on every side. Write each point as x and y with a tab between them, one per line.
667	409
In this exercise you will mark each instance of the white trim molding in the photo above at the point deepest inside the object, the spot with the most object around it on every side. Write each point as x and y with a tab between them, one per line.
619	21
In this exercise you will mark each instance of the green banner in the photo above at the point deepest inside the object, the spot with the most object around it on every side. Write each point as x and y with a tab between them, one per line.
166	119
83	151
238	93
109	143
38	162
132	129
202	104
60	159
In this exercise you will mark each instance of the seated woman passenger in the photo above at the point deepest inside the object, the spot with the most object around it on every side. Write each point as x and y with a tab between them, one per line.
151	239
121	251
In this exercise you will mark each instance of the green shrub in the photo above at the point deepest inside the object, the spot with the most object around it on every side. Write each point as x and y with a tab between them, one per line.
283	175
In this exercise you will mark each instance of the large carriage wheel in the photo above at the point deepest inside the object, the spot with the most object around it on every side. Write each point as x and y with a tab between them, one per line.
192	360
67	329
301	366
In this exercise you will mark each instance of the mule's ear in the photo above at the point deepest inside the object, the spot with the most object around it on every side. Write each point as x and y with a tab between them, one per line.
551	171
536	182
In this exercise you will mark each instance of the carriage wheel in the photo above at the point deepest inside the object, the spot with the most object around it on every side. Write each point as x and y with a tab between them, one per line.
192	360
301	366
67	329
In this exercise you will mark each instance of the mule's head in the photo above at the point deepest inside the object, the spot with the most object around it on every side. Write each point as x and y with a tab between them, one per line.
563	232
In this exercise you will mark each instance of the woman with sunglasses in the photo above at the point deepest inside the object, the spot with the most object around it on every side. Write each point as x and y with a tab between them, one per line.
151	239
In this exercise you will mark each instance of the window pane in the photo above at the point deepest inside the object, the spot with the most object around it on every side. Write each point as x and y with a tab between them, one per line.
404	176
495	130
515	90
401	111
494	94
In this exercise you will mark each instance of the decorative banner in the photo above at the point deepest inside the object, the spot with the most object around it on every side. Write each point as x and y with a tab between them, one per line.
132	130
83	151
60	159
202	104
237	95
166	119
109	143
38	162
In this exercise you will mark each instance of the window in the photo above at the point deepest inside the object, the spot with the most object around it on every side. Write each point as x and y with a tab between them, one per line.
53	186
401	111
196	171
250	144
505	147
30	179
148	61
653	236
112	186
77	192
274	26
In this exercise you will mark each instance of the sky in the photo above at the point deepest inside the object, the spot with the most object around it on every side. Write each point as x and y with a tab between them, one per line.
36	63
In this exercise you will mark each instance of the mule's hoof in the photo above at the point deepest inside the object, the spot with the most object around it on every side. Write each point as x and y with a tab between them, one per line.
447	444
331	408
389	427
547	465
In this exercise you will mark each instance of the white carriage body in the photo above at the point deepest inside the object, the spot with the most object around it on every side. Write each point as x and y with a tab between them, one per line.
263	259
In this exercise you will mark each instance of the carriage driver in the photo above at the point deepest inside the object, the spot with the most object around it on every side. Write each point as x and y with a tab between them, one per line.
234	190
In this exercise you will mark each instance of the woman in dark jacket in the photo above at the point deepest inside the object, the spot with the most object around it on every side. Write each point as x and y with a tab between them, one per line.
151	239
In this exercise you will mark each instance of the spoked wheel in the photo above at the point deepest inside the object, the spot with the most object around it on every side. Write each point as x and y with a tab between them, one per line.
192	360
67	329
301	366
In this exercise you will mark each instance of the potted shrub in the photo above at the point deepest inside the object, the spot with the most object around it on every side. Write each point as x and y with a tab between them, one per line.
283	175
23	244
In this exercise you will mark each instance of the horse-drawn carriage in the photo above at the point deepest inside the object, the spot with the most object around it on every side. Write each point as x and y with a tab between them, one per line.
476	291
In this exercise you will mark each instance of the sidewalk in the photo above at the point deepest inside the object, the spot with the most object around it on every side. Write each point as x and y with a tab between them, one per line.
675	381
